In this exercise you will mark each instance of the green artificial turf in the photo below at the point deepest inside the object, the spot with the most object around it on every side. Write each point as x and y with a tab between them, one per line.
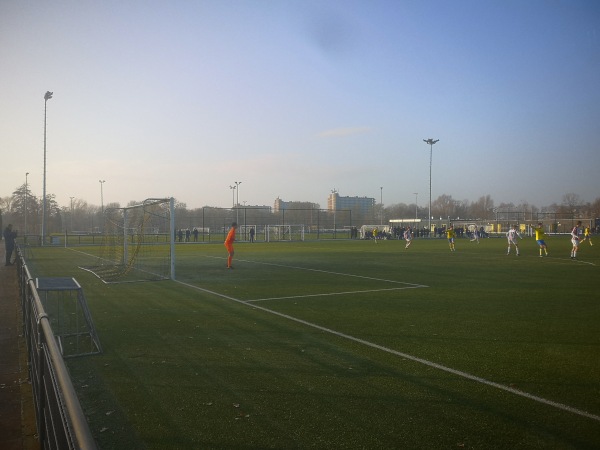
334	344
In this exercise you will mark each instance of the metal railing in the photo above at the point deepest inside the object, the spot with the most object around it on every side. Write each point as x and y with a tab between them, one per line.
61	423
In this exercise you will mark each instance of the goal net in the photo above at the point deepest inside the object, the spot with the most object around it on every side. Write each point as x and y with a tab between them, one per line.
284	233
138	243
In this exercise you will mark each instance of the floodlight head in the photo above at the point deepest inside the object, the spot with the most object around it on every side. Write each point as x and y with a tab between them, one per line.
48	95
430	141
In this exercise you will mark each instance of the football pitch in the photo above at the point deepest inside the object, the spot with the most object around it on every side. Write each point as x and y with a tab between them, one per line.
345	344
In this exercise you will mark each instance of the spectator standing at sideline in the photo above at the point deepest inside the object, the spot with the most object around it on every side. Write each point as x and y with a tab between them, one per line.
9	243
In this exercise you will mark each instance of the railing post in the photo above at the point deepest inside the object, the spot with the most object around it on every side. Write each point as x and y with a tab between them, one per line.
41	400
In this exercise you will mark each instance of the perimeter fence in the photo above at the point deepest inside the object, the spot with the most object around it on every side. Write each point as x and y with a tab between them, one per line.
264	224
211	224
61	423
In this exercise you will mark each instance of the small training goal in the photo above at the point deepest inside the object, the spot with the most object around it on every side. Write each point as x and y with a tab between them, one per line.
138	243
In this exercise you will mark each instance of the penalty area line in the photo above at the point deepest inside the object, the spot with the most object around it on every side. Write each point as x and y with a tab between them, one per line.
329	272
565	261
416	359
332	293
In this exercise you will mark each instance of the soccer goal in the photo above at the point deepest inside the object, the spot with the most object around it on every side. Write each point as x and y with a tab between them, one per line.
284	233
138	243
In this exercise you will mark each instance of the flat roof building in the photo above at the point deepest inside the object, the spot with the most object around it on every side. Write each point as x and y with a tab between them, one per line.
362	205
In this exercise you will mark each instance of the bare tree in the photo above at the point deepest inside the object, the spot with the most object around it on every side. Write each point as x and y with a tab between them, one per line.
6	204
400	211
482	208
443	206
571	200
594	210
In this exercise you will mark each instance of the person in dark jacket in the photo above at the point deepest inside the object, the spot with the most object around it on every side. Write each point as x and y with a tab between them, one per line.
9	242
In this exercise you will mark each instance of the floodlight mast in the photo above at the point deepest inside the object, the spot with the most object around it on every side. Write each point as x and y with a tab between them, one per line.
381	202
416	207
102	194
47	96
430	142
237	200
71	212
26	190
233	188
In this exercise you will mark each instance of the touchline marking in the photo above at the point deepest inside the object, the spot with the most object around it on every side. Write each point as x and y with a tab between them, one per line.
332	293
425	362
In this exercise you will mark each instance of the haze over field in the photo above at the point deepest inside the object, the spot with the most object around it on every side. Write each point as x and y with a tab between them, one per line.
295	99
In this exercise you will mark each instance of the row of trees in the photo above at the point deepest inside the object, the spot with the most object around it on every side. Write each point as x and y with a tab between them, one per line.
484	209
24	210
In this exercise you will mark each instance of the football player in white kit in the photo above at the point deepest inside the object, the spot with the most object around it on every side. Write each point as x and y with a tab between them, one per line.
408	237
575	239
512	234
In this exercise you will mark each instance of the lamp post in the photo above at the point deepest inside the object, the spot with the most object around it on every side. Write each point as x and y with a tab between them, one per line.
381	203
416	207
71	212
334	198
102	203
47	96
26	174
430	142
102	195
237	200
232	195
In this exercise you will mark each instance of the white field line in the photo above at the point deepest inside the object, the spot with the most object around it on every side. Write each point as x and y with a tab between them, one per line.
425	362
327	272
578	261
333	293
406	285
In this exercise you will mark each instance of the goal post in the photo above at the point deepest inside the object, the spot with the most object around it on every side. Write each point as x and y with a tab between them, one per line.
138	242
284	233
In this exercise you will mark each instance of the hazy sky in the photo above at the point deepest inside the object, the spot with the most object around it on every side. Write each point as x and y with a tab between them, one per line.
297	98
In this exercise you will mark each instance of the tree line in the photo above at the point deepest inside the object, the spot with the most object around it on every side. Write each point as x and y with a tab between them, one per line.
24	210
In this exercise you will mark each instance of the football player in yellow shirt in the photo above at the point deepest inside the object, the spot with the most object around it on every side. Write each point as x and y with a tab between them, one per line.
587	236
451	235
539	237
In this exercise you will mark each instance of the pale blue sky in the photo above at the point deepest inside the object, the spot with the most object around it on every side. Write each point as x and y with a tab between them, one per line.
296	98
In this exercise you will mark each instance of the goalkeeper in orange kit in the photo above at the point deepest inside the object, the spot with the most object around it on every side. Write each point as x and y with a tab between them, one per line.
229	240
